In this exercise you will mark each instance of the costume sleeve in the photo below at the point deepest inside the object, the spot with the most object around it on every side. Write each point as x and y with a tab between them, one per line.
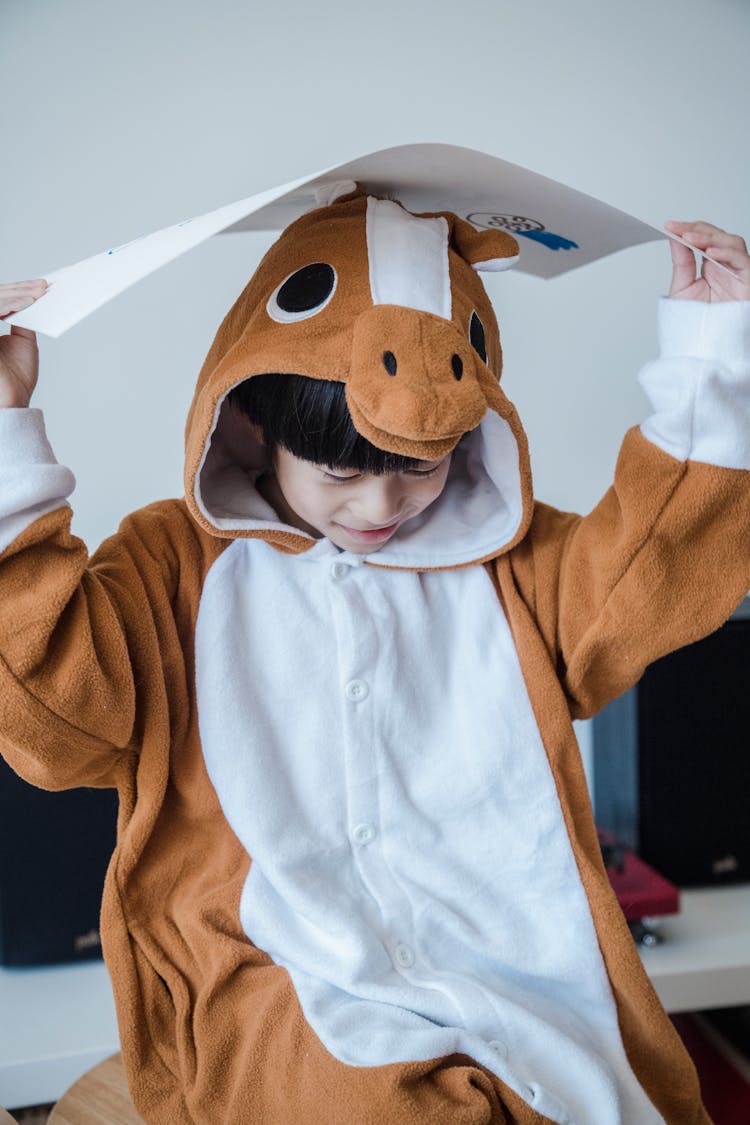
664	558
81	640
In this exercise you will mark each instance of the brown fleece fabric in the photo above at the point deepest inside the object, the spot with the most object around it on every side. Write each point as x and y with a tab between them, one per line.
97	688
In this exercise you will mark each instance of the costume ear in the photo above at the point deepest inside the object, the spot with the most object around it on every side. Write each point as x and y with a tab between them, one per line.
327	194
491	250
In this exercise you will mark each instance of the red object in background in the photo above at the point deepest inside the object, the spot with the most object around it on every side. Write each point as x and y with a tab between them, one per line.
641	891
725	1091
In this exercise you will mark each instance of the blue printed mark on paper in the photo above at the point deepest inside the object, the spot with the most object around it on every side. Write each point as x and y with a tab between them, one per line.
550	240
524	226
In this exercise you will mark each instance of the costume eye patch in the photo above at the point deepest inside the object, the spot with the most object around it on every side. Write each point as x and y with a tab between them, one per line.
476	336
303	293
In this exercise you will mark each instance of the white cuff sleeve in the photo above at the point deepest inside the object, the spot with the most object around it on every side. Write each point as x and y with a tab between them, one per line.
32	483
699	388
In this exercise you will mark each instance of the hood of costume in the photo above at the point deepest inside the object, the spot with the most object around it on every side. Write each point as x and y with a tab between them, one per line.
363	292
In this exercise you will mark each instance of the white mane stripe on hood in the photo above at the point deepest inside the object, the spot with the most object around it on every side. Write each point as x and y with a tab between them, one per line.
408	259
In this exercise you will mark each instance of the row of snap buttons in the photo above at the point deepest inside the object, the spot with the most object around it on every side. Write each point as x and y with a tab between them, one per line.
362	834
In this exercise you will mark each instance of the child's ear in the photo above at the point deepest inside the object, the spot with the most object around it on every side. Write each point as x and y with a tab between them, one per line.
330	193
240	439
255	436
256	431
241	422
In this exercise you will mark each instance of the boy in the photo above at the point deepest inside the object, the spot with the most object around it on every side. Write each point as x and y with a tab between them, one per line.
357	878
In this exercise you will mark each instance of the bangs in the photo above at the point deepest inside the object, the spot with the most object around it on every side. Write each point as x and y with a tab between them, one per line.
310	418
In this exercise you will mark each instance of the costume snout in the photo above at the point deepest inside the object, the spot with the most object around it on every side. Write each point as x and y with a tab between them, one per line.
413	384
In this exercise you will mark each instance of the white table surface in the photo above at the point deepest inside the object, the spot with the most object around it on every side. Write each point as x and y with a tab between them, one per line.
57	1022
704	961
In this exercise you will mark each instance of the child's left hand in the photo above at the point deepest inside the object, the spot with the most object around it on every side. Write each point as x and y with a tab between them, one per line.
711	284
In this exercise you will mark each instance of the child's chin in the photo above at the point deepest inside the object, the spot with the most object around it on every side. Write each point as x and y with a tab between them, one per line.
354	548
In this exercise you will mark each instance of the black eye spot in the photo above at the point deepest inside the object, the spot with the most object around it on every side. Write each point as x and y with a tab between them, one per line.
389	362
303	293
457	365
307	288
476	335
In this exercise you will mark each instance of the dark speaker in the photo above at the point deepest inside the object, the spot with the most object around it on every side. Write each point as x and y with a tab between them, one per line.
54	851
672	761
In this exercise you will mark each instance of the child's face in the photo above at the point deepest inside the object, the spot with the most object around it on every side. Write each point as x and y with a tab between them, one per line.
358	512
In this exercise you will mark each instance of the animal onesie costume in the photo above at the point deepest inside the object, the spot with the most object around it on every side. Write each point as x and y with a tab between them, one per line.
357	877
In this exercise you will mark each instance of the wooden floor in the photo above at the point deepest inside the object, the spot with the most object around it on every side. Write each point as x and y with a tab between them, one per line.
99	1098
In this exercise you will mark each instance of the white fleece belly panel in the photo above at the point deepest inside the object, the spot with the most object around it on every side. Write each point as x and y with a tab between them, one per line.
372	744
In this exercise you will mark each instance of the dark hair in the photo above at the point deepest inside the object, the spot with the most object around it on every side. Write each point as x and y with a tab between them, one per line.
310	418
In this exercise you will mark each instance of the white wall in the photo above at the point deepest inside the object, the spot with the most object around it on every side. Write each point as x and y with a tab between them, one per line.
122	117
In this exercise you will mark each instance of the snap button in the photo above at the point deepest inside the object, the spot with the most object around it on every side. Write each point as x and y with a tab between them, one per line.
339	570
547	1104
357	690
363	834
404	955
499	1048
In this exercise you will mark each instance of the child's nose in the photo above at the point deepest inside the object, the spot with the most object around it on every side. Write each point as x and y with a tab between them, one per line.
382	501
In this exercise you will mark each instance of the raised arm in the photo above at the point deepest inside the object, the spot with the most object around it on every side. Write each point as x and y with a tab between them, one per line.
91	661
664	558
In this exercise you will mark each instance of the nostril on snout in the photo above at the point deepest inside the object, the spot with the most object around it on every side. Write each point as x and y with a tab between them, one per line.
389	362
457	365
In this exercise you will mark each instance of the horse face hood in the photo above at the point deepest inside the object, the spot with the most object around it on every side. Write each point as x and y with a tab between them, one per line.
363	292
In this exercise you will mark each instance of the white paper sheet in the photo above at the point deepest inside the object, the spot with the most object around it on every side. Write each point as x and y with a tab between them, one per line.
557	227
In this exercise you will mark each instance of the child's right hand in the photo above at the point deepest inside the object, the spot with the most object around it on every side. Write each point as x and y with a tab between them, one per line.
19	356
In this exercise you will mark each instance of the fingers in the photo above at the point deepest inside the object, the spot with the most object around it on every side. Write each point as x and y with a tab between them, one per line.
734	256
17	295
17	330
720	248
683	264
729	249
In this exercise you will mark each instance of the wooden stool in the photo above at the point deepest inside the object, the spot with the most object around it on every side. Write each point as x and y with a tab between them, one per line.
99	1097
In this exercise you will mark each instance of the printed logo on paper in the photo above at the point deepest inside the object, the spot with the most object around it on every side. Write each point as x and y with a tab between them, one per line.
527	228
